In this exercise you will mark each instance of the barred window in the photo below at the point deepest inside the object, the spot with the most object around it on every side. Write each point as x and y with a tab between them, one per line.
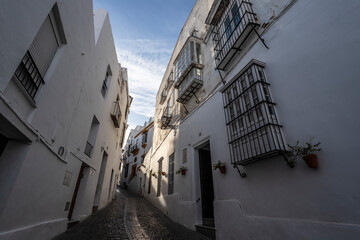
252	125
233	22
106	82
37	59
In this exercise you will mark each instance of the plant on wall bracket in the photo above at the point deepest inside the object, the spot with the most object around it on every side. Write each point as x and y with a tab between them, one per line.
306	151
221	166
182	170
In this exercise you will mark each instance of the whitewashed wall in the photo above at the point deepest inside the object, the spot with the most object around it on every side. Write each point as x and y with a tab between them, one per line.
311	66
35	199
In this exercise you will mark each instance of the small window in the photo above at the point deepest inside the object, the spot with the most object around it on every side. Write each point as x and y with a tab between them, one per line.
106	82
194	33
90	143
184	153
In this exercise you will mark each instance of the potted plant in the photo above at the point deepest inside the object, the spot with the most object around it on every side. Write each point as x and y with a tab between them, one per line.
160	172
306	152
220	165
182	170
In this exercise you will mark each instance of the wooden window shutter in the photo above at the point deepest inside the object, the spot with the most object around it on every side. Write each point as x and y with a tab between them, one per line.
44	46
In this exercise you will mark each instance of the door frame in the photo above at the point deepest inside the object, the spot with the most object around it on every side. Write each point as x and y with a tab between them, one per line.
196	189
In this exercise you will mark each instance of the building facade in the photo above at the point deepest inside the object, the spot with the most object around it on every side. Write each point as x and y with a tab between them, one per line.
63	110
245	79
137	146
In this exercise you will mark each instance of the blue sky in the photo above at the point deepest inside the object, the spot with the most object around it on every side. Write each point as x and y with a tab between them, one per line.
145	33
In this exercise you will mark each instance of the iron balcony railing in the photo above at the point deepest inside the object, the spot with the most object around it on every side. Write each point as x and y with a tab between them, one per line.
190	85
135	148
163	95
144	140
170	80
28	75
232	31
166	117
116	114
254	131
88	149
105	85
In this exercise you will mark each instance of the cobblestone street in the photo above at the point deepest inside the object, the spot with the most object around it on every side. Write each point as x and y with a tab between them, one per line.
129	217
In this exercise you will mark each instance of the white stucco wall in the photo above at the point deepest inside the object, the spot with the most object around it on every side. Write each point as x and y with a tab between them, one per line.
311	66
65	105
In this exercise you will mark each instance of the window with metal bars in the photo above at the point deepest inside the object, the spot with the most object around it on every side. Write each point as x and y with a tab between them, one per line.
236	20
38	58
106	82
253	129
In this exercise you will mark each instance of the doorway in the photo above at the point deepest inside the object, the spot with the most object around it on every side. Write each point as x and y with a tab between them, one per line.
100	182
206	185
77	186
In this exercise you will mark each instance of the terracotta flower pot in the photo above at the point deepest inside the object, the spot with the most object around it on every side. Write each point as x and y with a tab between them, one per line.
311	161
222	169
183	172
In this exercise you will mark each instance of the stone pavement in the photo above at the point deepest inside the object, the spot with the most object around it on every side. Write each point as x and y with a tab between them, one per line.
129	217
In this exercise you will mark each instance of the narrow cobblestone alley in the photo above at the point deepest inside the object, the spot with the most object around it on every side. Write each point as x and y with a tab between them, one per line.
129	217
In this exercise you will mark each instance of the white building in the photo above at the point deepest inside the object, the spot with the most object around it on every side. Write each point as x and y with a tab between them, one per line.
250	78
63	110
137	146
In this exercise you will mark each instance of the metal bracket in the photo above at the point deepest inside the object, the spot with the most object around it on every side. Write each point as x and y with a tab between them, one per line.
243	175
262	40
197	100
222	79
289	163
186	111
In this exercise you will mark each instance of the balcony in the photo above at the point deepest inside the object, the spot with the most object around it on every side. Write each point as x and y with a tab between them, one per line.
134	149
189	57
144	141
163	96
116	114
166	118
190	85
88	149
233	30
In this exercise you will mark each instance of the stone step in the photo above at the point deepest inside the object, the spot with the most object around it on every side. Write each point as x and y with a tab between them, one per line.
206	230
209	222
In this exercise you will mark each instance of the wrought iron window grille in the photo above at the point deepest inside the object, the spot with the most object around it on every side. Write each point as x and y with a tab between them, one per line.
230	34
163	95
88	149
165	118
254	132
105	84
29	75
170	81
116	114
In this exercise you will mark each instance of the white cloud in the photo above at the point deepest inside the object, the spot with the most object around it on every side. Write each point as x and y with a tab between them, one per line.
146	61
